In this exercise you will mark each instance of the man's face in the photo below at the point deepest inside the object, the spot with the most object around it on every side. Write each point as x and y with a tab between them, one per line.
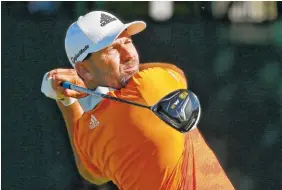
115	64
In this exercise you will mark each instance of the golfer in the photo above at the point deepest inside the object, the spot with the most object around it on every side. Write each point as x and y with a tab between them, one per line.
120	142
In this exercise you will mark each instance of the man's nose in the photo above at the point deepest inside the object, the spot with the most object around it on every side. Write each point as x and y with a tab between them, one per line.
126	54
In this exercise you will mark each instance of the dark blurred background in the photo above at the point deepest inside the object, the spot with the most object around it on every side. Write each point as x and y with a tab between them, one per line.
231	53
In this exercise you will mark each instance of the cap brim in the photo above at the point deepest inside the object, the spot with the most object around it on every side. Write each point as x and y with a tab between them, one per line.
135	27
132	28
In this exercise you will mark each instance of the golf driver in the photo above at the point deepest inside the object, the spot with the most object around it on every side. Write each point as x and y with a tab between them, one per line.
180	109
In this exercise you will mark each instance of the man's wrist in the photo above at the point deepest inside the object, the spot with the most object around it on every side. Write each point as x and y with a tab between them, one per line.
67	101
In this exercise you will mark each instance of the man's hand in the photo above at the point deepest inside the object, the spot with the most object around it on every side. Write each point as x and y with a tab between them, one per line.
70	75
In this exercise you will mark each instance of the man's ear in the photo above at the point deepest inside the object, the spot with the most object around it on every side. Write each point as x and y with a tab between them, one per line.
77	66
83	72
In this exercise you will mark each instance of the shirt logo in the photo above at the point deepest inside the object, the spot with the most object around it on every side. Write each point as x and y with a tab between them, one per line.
106	19
93	122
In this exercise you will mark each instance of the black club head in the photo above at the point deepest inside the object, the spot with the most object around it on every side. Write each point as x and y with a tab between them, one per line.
180	109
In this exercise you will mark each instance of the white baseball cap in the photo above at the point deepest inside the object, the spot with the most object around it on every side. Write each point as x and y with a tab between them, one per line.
95	31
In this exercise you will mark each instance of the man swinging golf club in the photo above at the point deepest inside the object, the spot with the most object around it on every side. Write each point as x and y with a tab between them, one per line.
136	148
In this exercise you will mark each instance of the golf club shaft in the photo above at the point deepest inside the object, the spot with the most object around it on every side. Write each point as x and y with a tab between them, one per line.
71	86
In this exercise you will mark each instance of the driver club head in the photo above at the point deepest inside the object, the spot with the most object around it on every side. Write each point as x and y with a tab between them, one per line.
180	109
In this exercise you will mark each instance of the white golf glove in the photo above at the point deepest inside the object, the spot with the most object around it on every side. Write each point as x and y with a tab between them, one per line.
46	88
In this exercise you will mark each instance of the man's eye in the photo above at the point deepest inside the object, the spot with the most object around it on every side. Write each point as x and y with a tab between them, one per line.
128	41
111	49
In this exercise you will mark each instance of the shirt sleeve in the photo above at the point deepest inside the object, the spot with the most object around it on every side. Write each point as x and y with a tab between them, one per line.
154	83
178	77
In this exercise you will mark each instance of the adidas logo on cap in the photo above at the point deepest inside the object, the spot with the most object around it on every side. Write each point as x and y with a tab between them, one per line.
106	19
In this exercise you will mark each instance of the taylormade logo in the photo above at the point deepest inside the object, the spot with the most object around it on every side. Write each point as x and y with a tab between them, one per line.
74	59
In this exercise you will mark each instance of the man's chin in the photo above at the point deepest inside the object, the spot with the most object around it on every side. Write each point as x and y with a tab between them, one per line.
118	84
131	70
123	80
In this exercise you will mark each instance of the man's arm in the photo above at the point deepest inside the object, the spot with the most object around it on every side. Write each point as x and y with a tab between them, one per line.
71	115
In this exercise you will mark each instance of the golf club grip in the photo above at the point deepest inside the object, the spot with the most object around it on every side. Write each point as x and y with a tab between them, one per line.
71	86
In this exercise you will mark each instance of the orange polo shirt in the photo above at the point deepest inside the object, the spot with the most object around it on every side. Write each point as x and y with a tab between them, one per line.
136	150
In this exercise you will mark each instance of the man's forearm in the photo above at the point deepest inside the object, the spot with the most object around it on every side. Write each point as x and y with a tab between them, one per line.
71	115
